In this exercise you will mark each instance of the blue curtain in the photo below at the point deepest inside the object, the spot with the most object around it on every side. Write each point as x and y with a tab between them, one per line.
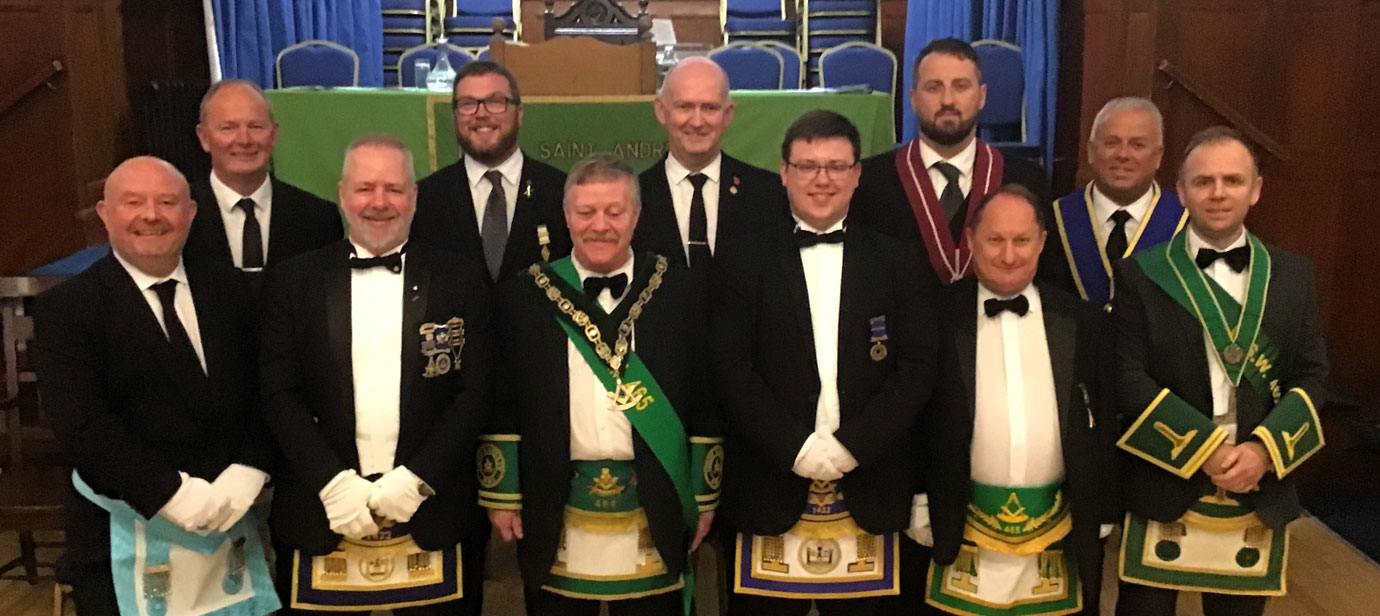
250	33
1034	27
927	20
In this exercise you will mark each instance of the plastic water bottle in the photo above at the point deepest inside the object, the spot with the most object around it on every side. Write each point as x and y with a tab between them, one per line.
442	77
421	69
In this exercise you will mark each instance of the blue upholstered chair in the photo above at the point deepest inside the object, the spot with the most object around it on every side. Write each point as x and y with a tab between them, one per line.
317	63
830	23
406	24
750	66
757	21
407	75
471	24
1003	117
791	66
858	63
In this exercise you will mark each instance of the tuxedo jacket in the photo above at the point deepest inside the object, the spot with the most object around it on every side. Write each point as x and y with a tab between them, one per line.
445	215
1078	336
300	222
768	381
308	390
127	413
750	199
1160	345
535	403
880	202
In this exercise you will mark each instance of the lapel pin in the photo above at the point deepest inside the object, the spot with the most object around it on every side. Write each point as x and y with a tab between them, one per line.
527	190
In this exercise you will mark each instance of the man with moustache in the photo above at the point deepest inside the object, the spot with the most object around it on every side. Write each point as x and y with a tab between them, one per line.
823	347
374	369
1023	427
697	194
924	191
1121	211
495	206
589	466
1221	391
145	369
249	219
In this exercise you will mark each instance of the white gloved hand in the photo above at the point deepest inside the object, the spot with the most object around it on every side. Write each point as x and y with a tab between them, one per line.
397	494
920	530
1104	530
346	498
836	453
195	506
240	485
813	463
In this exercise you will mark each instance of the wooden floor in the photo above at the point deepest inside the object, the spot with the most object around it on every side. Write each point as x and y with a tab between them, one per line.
1327	577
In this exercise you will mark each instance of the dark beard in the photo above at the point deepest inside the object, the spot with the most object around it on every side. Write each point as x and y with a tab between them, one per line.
948	137
491	156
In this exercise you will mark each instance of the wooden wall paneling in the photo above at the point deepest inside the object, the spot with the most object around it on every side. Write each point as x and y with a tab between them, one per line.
164	41
696	21
1117	60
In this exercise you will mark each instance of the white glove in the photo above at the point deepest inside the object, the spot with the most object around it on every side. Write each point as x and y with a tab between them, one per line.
813	463
346	499
838	455
195	506
1104	530
920	529
397	494
240	485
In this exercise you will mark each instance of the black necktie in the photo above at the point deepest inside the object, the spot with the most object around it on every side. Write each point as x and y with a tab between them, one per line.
391	261
1116	242
177	335
806	239
699	223
493	232
1018	306
252	241
952	199
616	284
1237	258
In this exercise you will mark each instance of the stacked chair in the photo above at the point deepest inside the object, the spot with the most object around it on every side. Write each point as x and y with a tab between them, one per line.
471	22
758	21
830	23
317	63
406	24
1002	121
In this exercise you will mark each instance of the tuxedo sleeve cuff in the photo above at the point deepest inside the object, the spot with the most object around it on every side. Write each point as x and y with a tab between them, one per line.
707	470
1172	435
1291	432
496	467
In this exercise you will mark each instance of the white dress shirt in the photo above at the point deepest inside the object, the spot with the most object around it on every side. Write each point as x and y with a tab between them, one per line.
376	314
823	265
682	192
597	430
511	168
1234	283
1103	208
233	218
182	301
963	161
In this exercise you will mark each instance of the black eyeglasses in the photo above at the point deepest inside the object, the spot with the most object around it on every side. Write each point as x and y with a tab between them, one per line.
470	106
833	170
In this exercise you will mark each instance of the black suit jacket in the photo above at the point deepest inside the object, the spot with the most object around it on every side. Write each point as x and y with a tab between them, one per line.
668	337
1080	358
309	400
126	413
1161	345
750	199
768	383
880	202
301	222
445	215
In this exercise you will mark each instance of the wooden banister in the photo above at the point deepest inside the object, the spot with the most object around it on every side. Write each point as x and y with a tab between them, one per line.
29	85
1254	133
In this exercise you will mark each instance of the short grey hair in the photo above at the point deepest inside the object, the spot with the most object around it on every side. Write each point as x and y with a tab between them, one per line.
1129	103
603	168
382	140
225	83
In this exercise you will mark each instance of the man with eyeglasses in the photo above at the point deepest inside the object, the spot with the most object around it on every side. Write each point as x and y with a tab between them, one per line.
823	353
495	206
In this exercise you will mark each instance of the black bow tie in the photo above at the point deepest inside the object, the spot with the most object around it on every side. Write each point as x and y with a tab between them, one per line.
616	284
1018	306
1237	258
393	262
807	239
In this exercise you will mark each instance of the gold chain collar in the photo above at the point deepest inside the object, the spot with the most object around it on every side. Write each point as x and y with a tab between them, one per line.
614	357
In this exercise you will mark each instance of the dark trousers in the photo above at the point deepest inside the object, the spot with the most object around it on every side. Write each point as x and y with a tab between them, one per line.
1140	600
753	605
544	602
471	584
93	591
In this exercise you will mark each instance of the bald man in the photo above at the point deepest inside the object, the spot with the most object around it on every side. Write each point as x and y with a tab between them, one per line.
145	370
697	194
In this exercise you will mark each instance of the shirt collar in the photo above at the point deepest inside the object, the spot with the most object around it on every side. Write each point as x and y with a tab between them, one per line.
144	280
1104	207
365	253
676	172
963	161
227	197
1196	242
800	224
584	272
1032	295
511	168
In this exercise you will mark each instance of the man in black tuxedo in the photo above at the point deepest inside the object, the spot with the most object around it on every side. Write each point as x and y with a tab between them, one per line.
824	352
525	224
146	367
1220	391
1021	481
590	467
374	365
698	194
924	191
247	218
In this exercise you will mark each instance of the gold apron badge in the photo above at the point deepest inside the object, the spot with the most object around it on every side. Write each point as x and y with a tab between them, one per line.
877	325
543	238
441	345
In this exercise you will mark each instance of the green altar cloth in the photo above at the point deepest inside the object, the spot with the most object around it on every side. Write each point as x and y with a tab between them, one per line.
560	130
